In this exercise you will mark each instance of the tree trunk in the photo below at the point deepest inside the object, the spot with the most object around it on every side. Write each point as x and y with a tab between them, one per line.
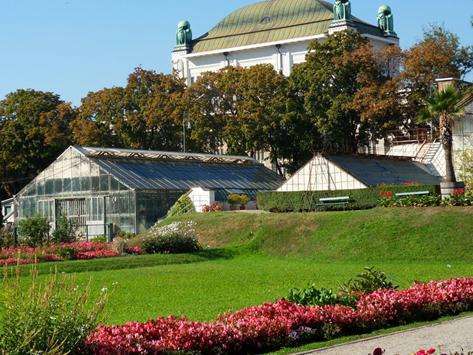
447	142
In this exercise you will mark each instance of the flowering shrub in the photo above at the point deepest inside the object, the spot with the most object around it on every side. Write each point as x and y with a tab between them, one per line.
459	198
426	352
175	238
56	252
214	207
272	325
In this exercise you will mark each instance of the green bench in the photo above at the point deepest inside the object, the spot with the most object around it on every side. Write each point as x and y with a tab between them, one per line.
415	193
334	201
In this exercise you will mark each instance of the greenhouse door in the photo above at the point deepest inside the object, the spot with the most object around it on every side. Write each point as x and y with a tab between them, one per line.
75	211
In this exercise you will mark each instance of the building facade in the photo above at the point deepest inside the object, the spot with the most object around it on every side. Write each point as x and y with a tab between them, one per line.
276	32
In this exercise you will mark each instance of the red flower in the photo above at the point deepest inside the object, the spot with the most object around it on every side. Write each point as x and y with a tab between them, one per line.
272	325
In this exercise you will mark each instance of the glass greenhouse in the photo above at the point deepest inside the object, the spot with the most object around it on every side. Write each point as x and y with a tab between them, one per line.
129	190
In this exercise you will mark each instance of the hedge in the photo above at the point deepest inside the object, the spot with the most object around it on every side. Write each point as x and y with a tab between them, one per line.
307	201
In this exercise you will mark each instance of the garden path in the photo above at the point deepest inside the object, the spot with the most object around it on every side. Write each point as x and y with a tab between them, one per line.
452	336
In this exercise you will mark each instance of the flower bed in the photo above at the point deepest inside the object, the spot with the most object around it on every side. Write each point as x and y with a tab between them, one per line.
56	252
282	323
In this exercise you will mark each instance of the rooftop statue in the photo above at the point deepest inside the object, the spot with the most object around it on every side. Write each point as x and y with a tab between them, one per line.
184	34
386	20
342	10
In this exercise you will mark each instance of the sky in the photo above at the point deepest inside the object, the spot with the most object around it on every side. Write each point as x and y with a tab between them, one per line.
72	47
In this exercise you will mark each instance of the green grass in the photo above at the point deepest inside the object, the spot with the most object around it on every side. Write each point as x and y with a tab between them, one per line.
262	256
202	291
388	234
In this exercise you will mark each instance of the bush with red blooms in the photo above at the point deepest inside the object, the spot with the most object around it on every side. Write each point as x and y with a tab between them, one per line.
57	252
426	352
273	325
214	207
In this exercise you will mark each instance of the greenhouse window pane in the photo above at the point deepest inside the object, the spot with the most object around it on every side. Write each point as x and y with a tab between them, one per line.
85	184
49	187
114	185
76	184
66	185
95	183
58	185
104	185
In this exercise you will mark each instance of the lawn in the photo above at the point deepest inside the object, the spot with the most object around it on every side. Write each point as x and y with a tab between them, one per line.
263	256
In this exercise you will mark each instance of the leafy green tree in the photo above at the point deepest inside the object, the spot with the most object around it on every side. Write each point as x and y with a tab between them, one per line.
443	106
346	92
146	114
34	130
261	111
213	112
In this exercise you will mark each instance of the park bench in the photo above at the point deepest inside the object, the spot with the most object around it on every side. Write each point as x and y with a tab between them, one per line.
334	201
414	193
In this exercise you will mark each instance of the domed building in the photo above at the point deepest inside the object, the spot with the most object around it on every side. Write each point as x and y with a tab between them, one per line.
275	32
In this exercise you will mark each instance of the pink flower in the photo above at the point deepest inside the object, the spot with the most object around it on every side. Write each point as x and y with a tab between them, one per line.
272	325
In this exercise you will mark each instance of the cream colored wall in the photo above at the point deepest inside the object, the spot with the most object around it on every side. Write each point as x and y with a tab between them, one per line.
321	175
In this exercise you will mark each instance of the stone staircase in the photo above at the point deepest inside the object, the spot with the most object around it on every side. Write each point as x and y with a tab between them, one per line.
428	152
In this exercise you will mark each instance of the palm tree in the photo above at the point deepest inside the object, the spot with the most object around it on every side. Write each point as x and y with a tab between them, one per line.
444	106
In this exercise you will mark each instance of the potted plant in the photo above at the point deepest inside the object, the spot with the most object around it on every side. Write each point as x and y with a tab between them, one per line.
234	201
238	202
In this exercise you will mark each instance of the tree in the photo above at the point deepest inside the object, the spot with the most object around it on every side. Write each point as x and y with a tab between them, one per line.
212	111
34	130
146	114
261	112
438	55
347	91
444	106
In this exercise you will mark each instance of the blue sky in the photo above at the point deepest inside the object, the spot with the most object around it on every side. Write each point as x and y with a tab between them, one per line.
72	47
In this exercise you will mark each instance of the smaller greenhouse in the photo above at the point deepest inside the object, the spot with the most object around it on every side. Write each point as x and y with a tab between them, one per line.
351	172
129	190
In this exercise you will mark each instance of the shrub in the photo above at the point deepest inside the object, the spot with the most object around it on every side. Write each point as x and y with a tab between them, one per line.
459	199
7	239
54	316
65	231
119	245
67	253
175	238
306	201
99	239
312	296
34	231
182	206
214	207
236	199
466	168
368	281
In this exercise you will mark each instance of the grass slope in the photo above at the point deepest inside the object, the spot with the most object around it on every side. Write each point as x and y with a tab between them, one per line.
265	255
394	234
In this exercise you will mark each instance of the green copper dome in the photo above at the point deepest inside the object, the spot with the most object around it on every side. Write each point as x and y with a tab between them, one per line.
270	21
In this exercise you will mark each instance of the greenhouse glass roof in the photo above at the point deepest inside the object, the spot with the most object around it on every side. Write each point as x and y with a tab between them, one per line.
152	170
378	170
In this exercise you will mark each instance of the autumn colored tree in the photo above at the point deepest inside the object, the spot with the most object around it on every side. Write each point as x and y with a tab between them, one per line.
34	130
438	55
348	93
146	114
